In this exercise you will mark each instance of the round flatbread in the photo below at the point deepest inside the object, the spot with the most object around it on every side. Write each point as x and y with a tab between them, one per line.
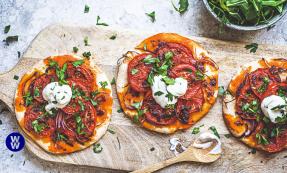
242	109
84	118
170	56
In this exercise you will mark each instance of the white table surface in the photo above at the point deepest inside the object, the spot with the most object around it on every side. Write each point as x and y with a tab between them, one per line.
28	17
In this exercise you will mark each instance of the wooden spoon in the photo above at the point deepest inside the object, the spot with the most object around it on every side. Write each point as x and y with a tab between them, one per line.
191	154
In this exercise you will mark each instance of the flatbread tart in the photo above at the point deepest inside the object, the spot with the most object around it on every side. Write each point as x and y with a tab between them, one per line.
167	83
254	105
64	103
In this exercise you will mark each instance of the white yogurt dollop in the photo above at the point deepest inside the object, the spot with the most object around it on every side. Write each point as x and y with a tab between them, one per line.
271	102
178	88
205	140
160	90
58	96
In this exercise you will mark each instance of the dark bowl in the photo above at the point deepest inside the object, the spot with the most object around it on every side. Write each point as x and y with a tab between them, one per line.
246	28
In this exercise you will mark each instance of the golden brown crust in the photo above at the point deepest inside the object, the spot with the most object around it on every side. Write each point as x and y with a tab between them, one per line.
233	121
150	45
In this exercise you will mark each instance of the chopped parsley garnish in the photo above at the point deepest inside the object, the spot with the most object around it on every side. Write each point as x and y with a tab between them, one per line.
38	127
97	148
158	93
87	9
151	15
261	139
196	130
199	75
278	107
137	117
227	135
76	92
221	91
80	125
252	47
87	54
252	107
119	110
169	96
36	92
11	39
94	103
61	137
112	131
137	105
150	60
264	86
82	105
7	29
94	93
75	49
28	98
213	129
113	81
134	71
103	84
60	72
282	119
78	63
16	77
100	23
113	37
275	132
86	41
168	80
150	78
183	6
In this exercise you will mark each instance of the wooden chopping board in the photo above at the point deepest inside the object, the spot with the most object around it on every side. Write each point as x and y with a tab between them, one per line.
133	147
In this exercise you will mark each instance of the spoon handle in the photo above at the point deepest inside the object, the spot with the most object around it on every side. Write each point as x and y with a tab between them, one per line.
160	165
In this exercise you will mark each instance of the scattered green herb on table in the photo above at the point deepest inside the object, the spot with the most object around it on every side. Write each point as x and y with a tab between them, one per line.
100	23
97	148
87	9
16	77
75	49
247	12
183	6
11	39
151	15
113	37
87	55
252	47
7	29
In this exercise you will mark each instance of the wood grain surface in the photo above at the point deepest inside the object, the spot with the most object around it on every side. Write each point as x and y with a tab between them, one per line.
131	147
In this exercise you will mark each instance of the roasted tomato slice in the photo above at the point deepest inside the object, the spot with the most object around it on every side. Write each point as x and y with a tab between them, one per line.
181	54
191	102
88	118
247	103
37	86
194	91
72	107
81	74
34	122
186	71
155	114
277	143
262	83
138	79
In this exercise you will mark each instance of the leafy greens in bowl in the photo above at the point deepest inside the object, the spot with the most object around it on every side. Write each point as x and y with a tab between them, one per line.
247	14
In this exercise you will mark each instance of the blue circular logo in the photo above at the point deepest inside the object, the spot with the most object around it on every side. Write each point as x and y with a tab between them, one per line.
15	142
